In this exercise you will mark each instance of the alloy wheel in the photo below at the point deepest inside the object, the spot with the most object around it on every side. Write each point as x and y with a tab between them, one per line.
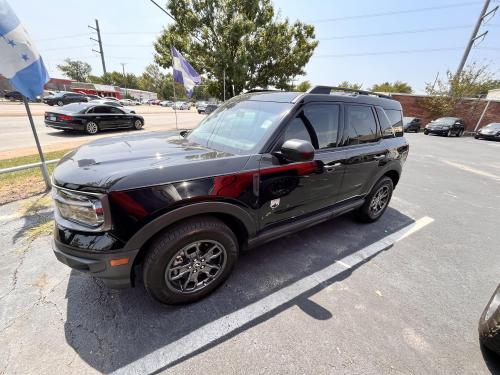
195	266
91	127
379	200
138	124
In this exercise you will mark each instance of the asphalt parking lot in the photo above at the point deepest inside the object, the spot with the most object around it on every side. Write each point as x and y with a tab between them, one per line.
400	296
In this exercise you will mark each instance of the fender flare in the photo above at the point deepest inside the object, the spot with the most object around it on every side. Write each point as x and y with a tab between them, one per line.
154	227
391	167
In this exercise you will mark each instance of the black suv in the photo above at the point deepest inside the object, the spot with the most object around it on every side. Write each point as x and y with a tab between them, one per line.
263	165
62	98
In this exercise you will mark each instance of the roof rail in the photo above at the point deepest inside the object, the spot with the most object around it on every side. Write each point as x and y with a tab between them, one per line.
329	89
261	90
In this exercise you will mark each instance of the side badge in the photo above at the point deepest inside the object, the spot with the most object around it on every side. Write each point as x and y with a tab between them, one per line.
275	203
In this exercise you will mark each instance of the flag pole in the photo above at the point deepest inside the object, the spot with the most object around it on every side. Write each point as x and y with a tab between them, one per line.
173	86
43	167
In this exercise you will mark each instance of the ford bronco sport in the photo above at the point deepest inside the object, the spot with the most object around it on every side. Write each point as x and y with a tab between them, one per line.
263	165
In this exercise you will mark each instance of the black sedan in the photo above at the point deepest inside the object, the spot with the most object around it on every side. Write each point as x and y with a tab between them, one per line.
13	95
92	118
490	131
411	124
62	98
446	126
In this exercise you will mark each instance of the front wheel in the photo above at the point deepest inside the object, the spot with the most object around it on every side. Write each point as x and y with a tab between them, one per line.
489	323
91	128
448	133
60	103
460	133
426	132
377	201
138	124
189	260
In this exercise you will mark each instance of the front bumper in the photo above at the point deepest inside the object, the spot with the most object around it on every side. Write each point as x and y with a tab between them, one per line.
98	264
488	136
437	131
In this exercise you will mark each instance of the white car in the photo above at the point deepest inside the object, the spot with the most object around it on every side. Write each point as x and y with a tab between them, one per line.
182	105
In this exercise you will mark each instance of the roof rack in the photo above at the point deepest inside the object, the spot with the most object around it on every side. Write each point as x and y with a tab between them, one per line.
261	90
329	89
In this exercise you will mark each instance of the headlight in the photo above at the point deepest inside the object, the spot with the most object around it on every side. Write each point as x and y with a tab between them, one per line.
81	211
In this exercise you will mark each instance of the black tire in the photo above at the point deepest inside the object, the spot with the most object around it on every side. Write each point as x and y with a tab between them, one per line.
476	137
448	133
91	128
460	133
60	103
426	132
365	213
417	130
489	324
138	124
176	238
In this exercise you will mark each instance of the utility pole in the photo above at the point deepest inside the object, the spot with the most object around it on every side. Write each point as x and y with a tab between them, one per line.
99	41
474	35
124	77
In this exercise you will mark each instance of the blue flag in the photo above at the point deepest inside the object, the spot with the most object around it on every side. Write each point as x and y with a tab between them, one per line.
184	73
20	61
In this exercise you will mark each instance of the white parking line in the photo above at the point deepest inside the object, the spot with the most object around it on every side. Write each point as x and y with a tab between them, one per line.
225	325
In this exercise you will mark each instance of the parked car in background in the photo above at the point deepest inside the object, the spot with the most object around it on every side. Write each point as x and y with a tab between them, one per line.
155	101
210	108
490	131
13	96
110	98
201	106
62	98
411	124
182	105
182	205
129	102
113	103
446	126
91	118
166	103
92	97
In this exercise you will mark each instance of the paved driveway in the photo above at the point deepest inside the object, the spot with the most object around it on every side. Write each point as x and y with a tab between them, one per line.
402	295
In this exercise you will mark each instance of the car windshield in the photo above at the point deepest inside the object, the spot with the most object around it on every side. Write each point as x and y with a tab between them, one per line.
239	126
445	121
493	126
407	120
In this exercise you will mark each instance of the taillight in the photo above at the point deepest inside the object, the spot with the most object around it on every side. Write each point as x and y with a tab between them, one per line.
65	118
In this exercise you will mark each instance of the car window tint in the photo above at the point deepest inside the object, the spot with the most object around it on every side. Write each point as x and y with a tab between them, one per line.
396	119
325	122
296	130
102	109
116	110
385	124
360	125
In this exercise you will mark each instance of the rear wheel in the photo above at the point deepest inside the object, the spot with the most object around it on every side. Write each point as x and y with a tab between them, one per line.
377	201
91	128
189	260
138	124
489	324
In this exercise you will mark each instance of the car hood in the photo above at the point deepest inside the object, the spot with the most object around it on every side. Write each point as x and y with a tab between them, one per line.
127	162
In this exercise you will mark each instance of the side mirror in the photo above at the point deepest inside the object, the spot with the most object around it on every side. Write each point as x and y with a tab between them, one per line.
297	150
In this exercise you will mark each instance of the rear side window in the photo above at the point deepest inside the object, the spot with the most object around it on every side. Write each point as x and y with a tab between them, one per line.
396	120
360	125
385	124
101	110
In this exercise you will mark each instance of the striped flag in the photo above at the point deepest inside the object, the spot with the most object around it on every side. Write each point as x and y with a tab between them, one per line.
20	61
184	73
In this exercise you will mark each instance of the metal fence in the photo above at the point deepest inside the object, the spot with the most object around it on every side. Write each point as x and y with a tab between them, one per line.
26	166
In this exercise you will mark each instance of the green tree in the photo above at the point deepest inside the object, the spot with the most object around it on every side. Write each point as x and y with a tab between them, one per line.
152	79
396	87
129	80
303	86
75	69
444	96
350	85
245	40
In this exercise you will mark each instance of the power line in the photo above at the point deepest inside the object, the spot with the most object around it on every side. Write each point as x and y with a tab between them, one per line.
401	32
391	13
396	52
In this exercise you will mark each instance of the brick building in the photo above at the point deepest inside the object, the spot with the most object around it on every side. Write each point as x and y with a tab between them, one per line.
470	109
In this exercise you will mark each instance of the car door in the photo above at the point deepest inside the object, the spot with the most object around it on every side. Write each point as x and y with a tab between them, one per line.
291	190
120	118
365	152
103	116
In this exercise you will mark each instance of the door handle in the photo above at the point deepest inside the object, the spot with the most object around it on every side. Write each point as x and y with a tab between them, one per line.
331	167
379	157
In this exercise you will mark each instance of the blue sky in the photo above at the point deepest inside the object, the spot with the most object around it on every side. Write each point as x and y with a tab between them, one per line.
129	28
